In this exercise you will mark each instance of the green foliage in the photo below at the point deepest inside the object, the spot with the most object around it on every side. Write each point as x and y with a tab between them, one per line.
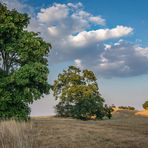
78	94
88	107
108	111
145	105
23	69
16	110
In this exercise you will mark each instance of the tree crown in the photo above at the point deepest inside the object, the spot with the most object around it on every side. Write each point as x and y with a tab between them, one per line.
23	63
145	105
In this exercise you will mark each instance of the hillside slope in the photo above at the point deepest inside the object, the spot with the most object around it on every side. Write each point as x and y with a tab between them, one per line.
124	130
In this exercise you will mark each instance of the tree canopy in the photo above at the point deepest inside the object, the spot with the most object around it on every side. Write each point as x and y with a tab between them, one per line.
23	65
78	94
145	105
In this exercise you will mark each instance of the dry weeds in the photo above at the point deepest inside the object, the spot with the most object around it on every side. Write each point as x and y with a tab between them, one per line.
124	130
16	135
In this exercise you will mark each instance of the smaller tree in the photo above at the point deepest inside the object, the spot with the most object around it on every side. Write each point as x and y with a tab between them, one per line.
145	105
78	95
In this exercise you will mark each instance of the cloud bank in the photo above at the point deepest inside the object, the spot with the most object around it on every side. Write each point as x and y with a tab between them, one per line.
121	59
74	37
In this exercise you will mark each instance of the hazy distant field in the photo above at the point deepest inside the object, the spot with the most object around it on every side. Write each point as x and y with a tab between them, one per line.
124	130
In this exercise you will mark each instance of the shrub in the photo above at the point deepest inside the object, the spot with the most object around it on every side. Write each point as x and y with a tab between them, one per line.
145	105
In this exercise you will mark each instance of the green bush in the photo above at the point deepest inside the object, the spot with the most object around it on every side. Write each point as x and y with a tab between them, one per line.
145	105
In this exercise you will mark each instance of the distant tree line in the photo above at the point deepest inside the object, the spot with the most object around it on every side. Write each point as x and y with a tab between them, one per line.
123	107
127	107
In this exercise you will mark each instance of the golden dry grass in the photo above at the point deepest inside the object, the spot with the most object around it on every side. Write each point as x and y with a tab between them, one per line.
16	135
142	113
124	130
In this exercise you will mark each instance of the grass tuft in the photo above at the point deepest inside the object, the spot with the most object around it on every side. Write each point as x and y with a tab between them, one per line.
15	134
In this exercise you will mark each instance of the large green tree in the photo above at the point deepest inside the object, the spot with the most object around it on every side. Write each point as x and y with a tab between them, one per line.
78	94
23	65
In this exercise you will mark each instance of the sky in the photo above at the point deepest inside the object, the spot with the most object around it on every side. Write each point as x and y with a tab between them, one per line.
108	37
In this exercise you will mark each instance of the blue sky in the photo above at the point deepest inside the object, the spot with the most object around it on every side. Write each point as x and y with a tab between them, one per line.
116	12
106	36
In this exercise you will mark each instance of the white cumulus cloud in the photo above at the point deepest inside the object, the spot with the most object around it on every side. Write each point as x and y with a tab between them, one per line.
69	29
57	12
88	37
78	63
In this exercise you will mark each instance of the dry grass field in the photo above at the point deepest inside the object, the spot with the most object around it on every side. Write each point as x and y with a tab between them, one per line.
16	135
124	130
